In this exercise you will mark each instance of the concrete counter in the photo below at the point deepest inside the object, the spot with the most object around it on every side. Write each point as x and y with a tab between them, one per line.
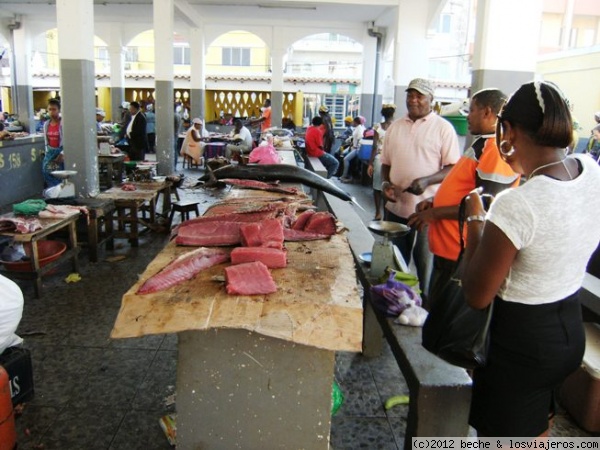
20	170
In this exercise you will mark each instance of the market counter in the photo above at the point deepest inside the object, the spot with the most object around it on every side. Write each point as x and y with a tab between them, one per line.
21	169
255	371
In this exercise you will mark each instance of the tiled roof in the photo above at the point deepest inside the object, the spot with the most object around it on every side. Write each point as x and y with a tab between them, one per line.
218	77
258	77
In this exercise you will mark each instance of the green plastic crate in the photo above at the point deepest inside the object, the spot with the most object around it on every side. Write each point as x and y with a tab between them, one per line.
459	123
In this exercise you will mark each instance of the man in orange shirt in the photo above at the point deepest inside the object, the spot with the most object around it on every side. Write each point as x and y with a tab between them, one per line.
479	166
265	117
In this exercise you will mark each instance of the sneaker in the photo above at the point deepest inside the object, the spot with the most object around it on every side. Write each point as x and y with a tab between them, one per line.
346	180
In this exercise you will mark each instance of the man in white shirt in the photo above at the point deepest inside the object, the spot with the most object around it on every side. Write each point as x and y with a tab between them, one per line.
241	140
357	135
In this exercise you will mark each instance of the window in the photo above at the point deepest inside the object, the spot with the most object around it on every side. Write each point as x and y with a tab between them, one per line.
235	56
131	54
445	24
181	55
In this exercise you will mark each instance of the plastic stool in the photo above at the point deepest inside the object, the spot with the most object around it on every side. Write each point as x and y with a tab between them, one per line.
183	207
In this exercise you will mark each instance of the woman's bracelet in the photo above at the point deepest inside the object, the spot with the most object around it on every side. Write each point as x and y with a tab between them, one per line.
475	218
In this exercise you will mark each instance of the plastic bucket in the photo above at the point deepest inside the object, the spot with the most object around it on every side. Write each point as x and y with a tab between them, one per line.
48	251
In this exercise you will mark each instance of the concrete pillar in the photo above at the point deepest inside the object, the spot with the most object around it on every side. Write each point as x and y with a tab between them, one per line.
495	61
197	73
75	23
163	82
116	52
277	86
411	59
368	79
567	25
22	92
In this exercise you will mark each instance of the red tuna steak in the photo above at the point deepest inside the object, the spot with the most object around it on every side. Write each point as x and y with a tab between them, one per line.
251	278
271	257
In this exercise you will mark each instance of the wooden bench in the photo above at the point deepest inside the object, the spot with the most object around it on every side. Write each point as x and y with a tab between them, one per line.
440	394
313	163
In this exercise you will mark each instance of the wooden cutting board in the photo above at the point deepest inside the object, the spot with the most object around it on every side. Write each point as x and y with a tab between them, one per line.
317	302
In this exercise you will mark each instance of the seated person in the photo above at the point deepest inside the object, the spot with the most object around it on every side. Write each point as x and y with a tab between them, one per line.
11	310
241	140
313	142
593	145
194	141
357	135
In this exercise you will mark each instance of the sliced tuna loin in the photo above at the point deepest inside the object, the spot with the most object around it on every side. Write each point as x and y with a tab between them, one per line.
184	268
273	258
302	219
209	233
250	233
322	223
298	235
271	231
249	279
267	233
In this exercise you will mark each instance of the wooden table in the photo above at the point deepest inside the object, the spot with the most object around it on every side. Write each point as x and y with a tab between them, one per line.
114	165
99	224
49	226
131	204
255	370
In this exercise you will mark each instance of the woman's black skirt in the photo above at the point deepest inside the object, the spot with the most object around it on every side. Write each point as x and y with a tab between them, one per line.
532	350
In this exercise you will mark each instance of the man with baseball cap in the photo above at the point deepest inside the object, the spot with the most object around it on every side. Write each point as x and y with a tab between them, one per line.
419	150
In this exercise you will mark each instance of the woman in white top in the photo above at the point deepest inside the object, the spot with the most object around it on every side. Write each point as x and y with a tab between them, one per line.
192	145
357	135
528	256
374	169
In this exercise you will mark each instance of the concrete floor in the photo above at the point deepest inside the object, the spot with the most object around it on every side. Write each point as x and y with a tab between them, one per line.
92	392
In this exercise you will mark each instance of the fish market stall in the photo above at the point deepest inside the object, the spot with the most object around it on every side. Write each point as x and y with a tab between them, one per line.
254	371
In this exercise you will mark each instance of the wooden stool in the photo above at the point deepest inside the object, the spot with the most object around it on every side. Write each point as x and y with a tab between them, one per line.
191	163
183	207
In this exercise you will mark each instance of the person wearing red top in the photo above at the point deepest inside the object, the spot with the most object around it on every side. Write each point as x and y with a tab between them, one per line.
479	166
313	141
53	153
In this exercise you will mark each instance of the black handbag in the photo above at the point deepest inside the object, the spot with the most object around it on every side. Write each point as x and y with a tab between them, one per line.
453	330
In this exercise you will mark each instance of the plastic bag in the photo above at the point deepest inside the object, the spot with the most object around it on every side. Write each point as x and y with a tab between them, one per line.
337	398
265	154
393	296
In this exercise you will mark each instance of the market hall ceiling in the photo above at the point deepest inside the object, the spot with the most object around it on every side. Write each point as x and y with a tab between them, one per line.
250	12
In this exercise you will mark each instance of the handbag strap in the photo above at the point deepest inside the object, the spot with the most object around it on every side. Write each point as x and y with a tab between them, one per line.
461	225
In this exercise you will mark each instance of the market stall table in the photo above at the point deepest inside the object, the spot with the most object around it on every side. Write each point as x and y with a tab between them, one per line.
114	167
255	370
131	204
49	226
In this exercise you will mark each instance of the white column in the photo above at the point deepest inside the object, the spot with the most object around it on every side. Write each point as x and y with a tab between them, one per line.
277	54
567	25
75	22
116	53
163	79
197	72
411	59
22	91
495	61
367	85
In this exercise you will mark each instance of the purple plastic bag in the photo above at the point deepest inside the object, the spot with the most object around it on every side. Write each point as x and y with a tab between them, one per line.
393	296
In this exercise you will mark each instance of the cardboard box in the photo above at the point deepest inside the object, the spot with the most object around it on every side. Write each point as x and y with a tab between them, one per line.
17	362
580	393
